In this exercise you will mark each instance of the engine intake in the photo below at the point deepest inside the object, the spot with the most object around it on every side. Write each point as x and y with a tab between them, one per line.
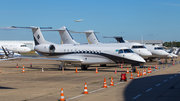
52	48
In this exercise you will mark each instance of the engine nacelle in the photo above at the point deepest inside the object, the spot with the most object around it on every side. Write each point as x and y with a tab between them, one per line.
45	48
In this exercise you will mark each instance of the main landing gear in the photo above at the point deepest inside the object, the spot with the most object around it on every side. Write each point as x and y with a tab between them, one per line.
84	67
62	66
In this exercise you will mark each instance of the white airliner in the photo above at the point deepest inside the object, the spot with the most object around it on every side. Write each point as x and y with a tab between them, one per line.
82	54
78	20
14	48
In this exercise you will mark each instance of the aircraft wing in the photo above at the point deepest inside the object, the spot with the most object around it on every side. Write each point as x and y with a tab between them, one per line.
60	59
10	57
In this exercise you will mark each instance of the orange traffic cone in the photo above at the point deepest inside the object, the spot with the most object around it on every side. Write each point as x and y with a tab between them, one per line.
85	89
156	66
127	70
62	95
173	62
105	84
131	75
17	65
0	70
161	61
112	83
23	71
42	70
138	74
141	73
96	70
150	69
121	65
76	70
144	71
115	71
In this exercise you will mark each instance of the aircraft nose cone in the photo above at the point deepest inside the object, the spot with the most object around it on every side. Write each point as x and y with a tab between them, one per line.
139	58
147	53
28	50
142	60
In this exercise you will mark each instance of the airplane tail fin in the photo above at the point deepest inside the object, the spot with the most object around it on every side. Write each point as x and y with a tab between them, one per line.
37	35
178	50
91	36
66	37
7	53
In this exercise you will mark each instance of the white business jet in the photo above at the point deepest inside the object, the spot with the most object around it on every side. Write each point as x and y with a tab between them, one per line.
157	51
82	54
137	48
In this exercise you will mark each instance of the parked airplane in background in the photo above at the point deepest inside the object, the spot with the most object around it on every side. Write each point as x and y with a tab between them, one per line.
78	20
82	54
135	47
174	51
157	51
14	48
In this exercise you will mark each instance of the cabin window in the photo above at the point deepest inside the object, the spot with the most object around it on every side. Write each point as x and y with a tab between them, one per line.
23	46
64	50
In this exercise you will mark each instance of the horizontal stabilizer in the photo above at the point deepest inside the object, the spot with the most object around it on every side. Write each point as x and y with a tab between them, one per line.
89	31
32	27
119	39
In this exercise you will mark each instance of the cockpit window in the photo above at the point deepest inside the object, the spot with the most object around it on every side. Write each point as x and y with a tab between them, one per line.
121	51
128	51
158	48
125	51
138	47
23	46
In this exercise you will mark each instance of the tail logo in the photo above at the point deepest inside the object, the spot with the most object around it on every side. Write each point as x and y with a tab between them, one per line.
38	36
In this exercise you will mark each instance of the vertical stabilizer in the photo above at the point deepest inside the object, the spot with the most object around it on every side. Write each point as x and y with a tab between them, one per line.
66	37
91	37
38	37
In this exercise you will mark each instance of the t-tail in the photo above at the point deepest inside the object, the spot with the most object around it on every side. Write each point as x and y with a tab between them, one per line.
37	35
91	36
66	37
119	39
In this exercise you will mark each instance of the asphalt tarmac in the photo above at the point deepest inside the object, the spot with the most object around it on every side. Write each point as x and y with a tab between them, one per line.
161	85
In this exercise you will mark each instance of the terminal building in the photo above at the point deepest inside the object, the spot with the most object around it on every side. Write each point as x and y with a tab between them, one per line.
149	42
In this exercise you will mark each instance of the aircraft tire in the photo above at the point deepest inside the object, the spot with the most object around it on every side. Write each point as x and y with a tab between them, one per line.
84	67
